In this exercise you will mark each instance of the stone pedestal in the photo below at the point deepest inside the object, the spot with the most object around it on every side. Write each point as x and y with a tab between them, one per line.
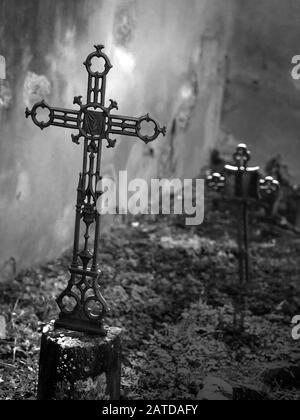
77	366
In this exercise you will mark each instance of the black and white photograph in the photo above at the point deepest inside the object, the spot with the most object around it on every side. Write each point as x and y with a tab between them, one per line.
149	203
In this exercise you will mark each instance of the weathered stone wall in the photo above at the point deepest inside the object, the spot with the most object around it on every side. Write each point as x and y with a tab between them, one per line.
194	126
262	100
168	58
171	58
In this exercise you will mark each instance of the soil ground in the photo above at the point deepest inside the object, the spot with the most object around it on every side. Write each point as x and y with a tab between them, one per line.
171	289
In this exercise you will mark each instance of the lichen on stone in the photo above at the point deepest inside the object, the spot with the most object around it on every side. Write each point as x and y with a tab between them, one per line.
92	389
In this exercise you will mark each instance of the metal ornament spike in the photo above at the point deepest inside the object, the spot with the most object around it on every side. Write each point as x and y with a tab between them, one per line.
81	304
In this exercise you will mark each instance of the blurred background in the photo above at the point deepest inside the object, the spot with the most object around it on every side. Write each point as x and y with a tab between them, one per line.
215	72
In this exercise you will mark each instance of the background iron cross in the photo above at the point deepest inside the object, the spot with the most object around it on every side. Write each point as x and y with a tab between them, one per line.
82	305
242	184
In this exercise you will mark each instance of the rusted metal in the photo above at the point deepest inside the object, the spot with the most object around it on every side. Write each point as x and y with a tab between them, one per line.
82	305
242	185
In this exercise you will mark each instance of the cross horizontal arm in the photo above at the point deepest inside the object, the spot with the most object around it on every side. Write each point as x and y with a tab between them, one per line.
59	117
130	126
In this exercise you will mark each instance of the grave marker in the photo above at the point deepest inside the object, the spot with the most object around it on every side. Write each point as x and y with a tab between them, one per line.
242	185
80	358
82	304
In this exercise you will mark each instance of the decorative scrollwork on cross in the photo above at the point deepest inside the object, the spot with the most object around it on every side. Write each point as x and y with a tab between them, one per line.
81	303
216	182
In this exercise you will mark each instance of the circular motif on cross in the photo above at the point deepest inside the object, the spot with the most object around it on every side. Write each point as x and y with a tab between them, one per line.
93	308
68	302
98	54
34	112
144	137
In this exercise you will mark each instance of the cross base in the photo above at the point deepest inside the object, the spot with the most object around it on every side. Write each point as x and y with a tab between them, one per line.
80	325
76	366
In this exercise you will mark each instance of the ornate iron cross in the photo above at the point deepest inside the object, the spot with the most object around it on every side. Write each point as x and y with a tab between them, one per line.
82	305
242	184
